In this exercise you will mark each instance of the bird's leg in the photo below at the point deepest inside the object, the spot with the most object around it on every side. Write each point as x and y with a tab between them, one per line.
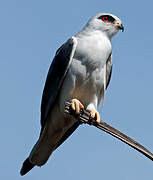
76	105
94	114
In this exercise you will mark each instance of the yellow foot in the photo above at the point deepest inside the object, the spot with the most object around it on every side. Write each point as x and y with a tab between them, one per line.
76	105
95	115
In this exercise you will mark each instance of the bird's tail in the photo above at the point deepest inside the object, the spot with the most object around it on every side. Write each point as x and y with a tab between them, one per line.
26	167
39	154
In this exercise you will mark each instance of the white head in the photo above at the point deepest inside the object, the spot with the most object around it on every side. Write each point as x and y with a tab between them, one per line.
105	22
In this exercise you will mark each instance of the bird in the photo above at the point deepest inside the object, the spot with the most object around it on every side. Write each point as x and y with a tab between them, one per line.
80	73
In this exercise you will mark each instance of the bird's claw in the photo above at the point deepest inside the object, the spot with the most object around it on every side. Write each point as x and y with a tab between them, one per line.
76	106
94	114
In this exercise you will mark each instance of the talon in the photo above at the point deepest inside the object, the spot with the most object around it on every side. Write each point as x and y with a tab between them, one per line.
95	115
76	106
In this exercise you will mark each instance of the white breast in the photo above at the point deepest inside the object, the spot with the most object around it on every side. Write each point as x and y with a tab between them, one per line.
86	76
93	49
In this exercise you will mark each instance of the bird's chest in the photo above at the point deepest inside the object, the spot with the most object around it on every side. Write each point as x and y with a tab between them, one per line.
86	78
88	73
88	65
85	74
93	51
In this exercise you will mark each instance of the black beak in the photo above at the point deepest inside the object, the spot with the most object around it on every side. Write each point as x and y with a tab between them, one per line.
121	27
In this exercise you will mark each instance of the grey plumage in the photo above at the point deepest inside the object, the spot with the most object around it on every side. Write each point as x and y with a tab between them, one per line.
81	69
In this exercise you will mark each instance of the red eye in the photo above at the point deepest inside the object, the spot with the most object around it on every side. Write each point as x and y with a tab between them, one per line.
105	18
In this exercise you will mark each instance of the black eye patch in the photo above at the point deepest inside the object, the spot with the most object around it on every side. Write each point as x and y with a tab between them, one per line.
107	18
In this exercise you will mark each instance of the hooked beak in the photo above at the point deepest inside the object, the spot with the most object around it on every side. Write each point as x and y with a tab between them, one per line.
121	27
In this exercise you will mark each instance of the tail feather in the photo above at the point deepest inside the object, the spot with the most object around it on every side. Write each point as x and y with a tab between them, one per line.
26	167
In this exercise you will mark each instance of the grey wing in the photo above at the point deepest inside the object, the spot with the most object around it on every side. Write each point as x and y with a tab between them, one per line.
108	70
68	133
55	77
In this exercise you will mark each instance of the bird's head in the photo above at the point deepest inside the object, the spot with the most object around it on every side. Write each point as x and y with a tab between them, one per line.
105	22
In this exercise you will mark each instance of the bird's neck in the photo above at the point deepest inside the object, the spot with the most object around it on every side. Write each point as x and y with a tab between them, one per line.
88	31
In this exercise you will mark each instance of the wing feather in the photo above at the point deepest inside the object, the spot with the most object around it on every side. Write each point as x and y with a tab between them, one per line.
55	77
108	70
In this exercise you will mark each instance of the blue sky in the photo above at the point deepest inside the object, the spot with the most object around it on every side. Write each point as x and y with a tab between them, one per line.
30	33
